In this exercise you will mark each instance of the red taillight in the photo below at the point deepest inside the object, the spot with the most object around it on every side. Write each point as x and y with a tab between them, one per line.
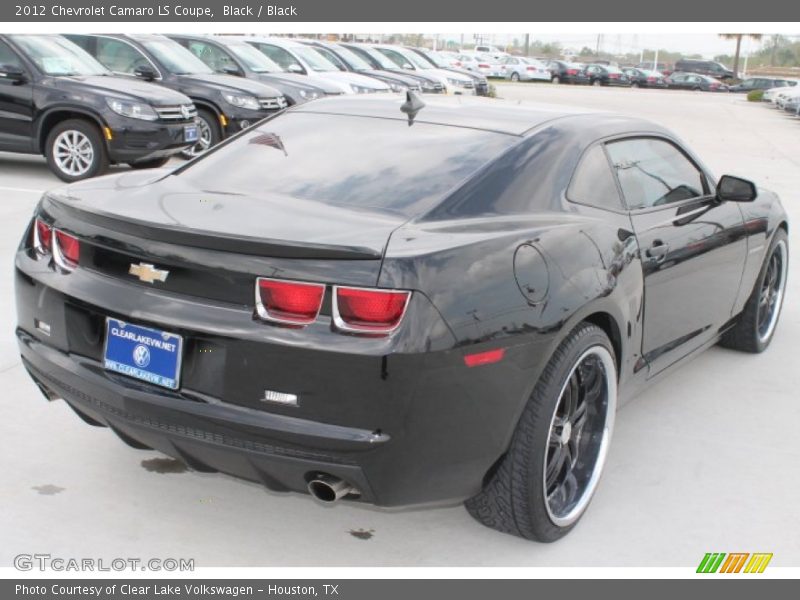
530	68
42	237
289	302
67	250
483	66
572	71
651	79
613	75
484	358
368	310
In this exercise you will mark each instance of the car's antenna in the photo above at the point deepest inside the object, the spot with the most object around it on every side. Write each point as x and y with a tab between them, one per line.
412	106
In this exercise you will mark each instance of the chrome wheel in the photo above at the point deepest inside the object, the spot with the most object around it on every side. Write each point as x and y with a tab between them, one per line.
205	139
73	152
579	436
770	296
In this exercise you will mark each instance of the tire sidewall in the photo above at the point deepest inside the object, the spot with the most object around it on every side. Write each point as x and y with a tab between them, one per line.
780	235
529	447
213	124
92	133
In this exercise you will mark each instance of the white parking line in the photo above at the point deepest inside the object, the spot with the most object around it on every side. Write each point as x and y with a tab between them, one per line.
24	190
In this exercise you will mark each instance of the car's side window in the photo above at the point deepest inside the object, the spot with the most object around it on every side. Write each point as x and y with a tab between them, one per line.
210	55
120	57
653	172
8	56
279	55
593	182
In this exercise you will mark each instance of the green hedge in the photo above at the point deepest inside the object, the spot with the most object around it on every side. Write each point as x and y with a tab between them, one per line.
755	96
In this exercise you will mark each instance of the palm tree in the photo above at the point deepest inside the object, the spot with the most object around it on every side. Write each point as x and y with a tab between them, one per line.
738	37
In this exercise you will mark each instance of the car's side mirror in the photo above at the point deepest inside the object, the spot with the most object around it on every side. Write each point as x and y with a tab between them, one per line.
145	72
232	70
736	189
295	68
12	73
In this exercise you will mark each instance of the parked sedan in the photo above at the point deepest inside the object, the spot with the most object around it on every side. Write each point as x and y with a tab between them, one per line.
226	104
695	82
567	72
338	304
520	68
645	79
58	101
607	75
295	57
235	57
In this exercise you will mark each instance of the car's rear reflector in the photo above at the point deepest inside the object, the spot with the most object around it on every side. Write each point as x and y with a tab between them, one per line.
42	237
368	310
290	302
66	251
484	358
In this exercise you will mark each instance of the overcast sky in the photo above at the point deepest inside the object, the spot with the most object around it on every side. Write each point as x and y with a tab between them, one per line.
708	45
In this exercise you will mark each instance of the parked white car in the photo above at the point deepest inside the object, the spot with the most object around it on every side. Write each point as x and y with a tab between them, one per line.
454	83
294	57
521	68
784	96
489	65
771	94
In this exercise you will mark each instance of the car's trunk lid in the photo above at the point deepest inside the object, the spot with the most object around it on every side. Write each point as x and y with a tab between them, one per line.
214	243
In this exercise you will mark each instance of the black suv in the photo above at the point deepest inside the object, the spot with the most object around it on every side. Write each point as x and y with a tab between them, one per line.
232	56
704	67
225	104
58	101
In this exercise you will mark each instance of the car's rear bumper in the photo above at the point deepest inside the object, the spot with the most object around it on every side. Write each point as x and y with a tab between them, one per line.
207	436
402	427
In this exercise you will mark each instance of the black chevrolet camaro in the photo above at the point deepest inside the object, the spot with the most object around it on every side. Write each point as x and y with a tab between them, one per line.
373	299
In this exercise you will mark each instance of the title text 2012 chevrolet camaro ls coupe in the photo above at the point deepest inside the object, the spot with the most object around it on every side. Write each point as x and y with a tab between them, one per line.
374	299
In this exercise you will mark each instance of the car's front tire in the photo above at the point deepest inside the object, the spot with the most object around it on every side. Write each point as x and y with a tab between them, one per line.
209	133
75	150
542	486
755	328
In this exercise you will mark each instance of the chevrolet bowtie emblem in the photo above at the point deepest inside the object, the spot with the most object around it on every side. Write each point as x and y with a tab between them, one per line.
148	273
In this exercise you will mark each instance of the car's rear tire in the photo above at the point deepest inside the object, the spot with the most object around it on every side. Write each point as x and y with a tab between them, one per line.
209	133
541	487
556	79
153	163
75	150
514	76
756	325
634	85
597	82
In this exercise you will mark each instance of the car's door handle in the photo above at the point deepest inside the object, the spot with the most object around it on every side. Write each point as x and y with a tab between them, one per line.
657	251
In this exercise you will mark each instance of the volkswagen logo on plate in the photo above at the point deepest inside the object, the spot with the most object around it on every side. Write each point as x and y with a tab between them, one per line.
141	356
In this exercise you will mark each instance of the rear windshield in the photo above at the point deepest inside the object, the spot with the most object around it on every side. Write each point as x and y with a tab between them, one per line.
370	163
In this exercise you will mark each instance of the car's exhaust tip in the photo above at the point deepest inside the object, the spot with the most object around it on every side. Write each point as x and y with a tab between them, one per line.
329	489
